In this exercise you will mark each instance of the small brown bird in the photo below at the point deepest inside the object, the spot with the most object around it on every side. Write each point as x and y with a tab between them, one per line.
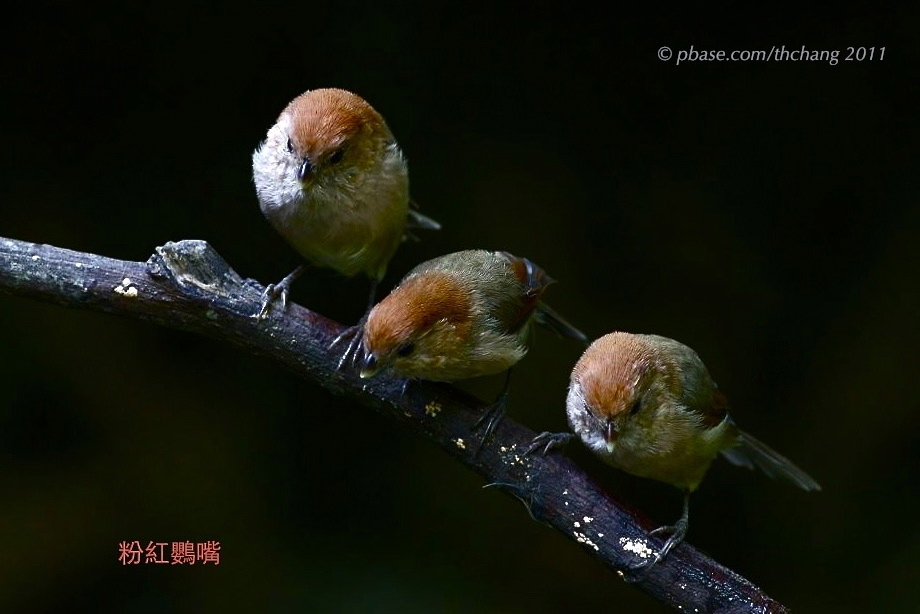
647	405
460	316
332	180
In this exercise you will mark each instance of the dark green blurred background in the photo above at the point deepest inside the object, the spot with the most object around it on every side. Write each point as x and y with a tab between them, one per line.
765	214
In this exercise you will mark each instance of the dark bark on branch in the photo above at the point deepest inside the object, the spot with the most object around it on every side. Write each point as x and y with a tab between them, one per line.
188	286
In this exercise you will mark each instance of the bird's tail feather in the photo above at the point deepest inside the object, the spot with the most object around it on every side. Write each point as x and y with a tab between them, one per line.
416	220
555	322
751	452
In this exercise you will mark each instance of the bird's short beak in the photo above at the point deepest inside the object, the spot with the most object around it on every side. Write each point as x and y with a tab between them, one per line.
305	169
610	436
369	366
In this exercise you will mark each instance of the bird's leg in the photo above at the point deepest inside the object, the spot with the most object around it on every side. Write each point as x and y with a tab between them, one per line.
353	334
548	441
494	412
274	292
677	532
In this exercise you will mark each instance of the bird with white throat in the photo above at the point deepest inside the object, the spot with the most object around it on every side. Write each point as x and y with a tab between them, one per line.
332	180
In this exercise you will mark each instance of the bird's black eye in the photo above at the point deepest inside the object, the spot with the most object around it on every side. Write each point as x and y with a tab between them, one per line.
635	408
336	156
290	146
405	349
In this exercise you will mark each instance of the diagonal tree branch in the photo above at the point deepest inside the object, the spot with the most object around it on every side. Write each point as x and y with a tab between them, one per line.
188	286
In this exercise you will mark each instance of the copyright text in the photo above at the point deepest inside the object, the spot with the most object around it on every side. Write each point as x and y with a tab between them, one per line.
774	54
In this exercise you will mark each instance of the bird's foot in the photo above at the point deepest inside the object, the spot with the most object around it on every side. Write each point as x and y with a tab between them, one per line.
351	337
277	292
548	442
491	417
